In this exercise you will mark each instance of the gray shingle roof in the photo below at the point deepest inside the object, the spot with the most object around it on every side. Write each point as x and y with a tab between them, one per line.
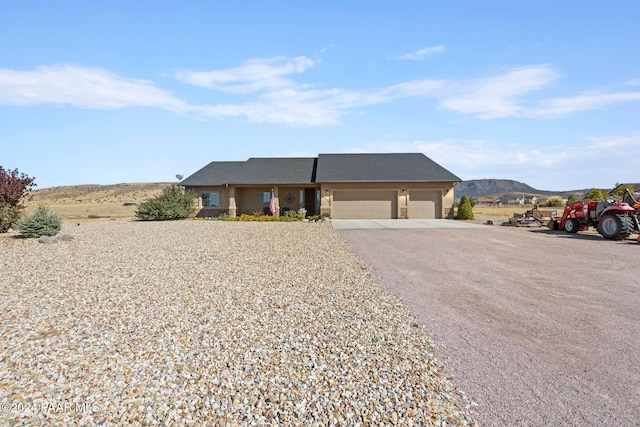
282	170
215	173
386	167
278	170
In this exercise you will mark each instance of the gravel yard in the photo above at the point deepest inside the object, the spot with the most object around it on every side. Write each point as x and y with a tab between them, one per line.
196	322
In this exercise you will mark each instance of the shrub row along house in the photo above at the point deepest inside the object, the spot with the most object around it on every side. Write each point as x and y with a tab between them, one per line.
342	186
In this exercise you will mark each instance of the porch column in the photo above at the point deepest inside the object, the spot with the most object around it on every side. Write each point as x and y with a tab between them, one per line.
232	201
325	201
403	203
276	197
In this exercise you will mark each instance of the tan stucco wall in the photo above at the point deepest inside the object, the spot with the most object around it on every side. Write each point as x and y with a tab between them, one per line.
247	199
224	195
447	203
202	211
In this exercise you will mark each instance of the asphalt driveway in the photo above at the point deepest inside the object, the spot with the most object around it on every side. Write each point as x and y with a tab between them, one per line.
538	327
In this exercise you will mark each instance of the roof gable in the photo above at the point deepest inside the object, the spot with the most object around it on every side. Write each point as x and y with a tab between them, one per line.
380	167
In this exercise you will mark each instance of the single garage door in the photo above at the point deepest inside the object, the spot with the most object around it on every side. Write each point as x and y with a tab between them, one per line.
423	204
365	204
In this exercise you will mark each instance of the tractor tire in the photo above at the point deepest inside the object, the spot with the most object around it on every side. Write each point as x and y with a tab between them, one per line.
615	226
571	226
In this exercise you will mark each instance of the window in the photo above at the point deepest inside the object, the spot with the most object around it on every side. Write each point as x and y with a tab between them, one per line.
264	197
211	199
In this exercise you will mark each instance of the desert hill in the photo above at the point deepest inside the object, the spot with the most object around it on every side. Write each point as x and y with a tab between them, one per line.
93	201
96	192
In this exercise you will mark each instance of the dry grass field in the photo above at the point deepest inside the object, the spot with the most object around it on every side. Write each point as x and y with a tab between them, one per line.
95	202
502	213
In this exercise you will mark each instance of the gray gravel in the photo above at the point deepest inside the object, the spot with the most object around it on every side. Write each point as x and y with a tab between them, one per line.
540	328
210	323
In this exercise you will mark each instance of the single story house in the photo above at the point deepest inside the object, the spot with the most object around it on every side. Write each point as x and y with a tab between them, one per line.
356	186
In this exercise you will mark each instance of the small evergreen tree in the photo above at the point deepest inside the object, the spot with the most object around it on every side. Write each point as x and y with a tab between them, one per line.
42	222
173	203
465	211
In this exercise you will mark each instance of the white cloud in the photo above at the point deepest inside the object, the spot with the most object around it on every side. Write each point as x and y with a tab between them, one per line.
558	107
314	107
498	96
420	53
415	88
254	75
274	97
288	106
629	143
505	95
82	87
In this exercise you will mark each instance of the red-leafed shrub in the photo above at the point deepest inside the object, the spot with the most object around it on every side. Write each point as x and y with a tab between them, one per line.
13	188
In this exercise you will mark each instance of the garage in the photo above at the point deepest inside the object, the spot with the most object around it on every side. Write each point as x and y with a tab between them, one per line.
423	205
365	204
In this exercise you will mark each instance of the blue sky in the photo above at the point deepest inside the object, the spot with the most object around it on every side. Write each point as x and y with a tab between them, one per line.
542	92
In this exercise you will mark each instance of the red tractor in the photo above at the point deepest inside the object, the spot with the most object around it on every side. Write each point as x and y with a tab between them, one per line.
613	219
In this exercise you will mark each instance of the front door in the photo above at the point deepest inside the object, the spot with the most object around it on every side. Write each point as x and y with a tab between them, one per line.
310	200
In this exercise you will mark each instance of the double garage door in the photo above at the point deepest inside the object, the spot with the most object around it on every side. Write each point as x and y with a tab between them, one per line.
368	204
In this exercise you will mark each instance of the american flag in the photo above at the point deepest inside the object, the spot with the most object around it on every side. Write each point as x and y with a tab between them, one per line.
272	205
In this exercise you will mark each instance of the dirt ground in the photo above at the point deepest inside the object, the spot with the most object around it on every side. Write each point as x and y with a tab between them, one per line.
538	327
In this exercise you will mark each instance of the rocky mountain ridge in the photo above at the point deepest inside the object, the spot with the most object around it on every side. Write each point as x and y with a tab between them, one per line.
506	188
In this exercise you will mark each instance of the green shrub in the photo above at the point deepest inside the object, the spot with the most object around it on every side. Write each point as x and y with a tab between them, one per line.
9	215
226	217
173	203
465	212
42	222
291	216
